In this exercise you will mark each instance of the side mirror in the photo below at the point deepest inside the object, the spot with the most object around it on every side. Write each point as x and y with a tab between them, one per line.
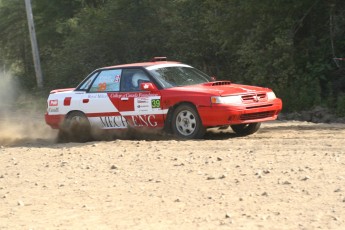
148	86
213	78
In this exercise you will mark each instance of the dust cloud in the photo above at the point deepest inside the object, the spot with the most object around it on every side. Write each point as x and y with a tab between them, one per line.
21	114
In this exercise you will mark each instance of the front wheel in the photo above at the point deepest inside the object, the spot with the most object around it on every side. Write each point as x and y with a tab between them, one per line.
246	129
186	123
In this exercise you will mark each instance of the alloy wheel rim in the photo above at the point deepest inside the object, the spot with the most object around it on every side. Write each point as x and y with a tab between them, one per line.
186	122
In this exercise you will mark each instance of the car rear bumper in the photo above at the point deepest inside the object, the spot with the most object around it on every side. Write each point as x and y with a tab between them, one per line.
218	115
53	121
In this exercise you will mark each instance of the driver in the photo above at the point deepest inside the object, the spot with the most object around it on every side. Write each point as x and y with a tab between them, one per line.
138	78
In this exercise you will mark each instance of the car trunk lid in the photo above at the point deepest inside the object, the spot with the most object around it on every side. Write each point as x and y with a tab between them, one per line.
61	90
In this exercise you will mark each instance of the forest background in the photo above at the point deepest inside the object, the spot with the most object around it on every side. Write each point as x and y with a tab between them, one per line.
290	46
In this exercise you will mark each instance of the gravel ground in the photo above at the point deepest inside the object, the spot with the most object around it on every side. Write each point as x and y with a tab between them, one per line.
289	175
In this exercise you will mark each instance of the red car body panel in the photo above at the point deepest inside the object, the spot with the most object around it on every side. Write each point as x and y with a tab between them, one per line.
255	105
217	115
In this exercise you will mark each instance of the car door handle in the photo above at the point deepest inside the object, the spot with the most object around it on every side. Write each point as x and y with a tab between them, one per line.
124	98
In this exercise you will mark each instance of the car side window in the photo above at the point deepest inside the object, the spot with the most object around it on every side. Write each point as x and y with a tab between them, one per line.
107	81
132	78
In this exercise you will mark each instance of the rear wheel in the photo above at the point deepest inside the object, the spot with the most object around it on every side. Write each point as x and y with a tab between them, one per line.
186	123
246	129
76	128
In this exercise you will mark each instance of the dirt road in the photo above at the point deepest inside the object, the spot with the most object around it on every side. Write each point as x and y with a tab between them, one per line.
290	175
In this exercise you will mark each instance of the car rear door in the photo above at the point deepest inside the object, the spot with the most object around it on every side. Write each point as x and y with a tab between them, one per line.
100	104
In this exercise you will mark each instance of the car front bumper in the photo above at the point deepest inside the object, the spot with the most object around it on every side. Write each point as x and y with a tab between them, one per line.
222	114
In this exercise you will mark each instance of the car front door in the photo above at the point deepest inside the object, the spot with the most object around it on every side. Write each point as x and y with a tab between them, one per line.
141	109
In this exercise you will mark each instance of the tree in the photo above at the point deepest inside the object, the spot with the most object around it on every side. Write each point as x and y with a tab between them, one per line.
286	45
14	43
117	32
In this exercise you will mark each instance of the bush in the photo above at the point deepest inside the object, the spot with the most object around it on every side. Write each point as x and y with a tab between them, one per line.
340	110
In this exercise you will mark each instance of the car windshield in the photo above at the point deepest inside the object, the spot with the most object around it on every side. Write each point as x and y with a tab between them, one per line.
178	75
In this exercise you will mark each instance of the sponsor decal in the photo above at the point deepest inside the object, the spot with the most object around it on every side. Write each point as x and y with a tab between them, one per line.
53	110
102	86
142	100
144	120
117	122
131	95
142	106
146	86
53	103
114	122
147	104
97	95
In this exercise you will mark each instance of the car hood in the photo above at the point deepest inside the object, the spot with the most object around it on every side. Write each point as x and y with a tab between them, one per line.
222	88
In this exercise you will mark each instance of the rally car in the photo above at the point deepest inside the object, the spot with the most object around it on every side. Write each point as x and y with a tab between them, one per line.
158	95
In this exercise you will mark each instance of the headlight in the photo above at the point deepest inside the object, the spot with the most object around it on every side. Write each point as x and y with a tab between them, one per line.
226	100
271	96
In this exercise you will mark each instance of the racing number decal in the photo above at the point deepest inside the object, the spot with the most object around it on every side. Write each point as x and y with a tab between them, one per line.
117	78
155	103
150	104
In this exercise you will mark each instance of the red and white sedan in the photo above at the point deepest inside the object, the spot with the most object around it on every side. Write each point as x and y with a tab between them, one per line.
158	95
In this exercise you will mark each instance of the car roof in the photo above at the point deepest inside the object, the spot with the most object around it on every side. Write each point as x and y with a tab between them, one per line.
142	64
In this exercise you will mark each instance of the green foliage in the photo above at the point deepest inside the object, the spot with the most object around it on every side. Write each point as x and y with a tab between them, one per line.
14	43
301	95
117	32
286	45
340	109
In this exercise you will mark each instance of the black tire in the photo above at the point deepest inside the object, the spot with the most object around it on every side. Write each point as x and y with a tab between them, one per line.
63	136
186	123
246	129
76	128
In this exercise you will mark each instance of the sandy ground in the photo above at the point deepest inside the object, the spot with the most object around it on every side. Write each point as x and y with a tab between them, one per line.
289	175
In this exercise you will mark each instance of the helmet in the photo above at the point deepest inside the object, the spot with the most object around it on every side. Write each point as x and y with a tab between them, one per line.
139	77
